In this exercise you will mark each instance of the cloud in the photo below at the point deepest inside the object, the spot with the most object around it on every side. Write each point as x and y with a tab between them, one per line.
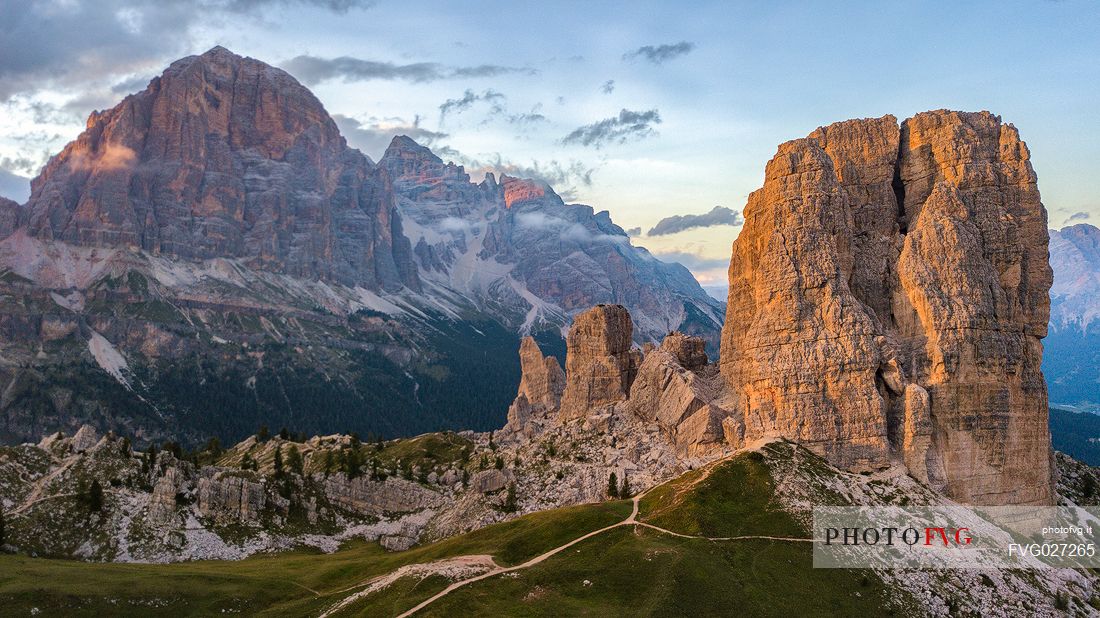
80	44
693	261
580	234
457	106
14	187
312	70
1079	216
111	157
566	179
608	87
634	231
523	120
567	230
540	221
619	129
454	224
660	53
719	215
374	135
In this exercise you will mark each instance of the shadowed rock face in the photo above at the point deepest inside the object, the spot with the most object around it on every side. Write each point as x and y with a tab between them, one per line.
224	156
9	216
887	299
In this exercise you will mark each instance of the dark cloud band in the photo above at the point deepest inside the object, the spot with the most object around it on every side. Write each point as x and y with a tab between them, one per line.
719	215
628	125
313	70
658	54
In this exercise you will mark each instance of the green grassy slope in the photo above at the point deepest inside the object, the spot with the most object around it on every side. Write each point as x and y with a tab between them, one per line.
643	572
629	570
293	583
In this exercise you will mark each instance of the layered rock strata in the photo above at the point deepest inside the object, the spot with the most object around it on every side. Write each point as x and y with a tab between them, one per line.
888	294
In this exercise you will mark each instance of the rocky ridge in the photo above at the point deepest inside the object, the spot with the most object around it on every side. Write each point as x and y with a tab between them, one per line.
521	252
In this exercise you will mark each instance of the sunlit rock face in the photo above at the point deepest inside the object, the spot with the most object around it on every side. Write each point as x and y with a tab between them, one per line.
224	156
880	259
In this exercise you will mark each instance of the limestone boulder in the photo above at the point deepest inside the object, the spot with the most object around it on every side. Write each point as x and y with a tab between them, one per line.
690	352
679	400
84	439
162	502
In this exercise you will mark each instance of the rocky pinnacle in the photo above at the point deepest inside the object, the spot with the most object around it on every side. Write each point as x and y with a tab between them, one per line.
888	295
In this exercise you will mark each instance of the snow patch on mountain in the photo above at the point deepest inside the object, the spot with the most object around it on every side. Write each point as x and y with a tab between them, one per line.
109	358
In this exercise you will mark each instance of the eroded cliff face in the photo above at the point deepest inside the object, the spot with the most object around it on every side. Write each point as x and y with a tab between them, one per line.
888	294
224	156
600	363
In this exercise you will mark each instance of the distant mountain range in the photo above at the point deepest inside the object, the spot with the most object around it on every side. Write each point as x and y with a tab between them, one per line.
1071	358
210	256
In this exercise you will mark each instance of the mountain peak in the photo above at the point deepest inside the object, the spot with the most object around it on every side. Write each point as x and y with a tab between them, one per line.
218	50
404	146
253	140
518	190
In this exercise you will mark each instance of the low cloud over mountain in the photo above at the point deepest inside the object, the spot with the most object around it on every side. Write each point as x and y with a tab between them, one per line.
719	215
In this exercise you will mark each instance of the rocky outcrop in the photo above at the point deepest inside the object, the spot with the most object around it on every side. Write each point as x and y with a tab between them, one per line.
378	498
600	363
228	498
878	257
162	502
542	381
226	157
541	385
84	439
680	394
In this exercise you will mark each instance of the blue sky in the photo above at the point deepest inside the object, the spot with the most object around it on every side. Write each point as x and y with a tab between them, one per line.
727	81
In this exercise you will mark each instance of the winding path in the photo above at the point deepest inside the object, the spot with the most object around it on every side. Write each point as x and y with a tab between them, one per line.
631	520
